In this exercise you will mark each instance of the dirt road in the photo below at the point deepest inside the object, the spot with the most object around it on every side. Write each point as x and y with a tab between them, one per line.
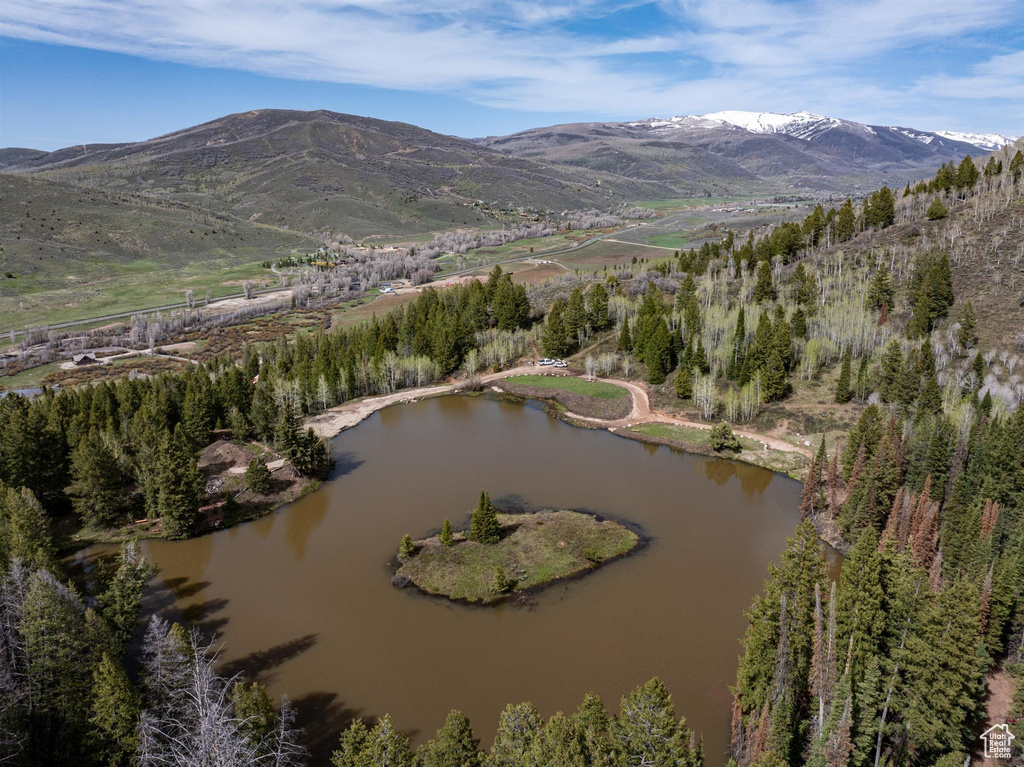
334	421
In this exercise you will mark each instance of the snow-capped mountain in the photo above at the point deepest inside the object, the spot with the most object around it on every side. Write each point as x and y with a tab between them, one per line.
809	126
987	141
733	149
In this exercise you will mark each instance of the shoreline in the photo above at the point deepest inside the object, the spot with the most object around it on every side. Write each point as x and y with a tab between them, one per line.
523	597
332	422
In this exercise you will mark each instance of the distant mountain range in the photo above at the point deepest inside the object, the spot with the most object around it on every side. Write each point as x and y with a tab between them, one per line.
811	126
723	151
309	172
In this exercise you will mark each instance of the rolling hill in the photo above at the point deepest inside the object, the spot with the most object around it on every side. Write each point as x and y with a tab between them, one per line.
314	171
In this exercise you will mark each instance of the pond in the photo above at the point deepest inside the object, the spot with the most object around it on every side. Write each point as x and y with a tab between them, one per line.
302	601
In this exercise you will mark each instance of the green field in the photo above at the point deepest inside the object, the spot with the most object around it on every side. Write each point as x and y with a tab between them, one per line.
598	389
678	203
536	549
676	240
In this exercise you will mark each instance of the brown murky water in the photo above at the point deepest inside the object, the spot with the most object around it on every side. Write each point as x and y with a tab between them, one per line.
302	600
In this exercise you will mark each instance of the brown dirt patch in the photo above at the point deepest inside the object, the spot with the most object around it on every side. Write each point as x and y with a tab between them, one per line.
223	464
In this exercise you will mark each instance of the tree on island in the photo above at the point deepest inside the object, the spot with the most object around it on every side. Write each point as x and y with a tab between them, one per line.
406	547
503	582
484	525
447	538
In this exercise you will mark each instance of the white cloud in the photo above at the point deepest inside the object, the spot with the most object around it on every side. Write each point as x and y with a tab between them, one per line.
753	54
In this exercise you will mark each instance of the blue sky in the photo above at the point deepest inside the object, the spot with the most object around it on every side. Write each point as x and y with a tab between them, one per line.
85	71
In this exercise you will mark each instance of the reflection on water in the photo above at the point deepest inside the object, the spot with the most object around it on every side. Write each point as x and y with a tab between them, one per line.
302	598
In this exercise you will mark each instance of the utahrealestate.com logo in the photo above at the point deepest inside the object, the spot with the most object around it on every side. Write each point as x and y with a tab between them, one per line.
997	741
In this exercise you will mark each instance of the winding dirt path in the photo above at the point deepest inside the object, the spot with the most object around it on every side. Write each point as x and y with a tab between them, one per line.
332	422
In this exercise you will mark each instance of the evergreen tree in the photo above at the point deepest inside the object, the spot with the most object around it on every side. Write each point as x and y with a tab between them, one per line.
519	729
892	367
24	530
625	339
454	745
862	378
181	487
657	354
483	526
881	208
100	489
258	477
252	705
880	291
646	730
114	715
966	334
764	288
58	670
121	602
447	538
684	382
721	438
774	384
406	547
598	307
198	412
843	393
555	338
575	317
936	210
846	222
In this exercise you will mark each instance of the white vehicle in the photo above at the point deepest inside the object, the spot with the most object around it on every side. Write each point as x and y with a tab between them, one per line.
388	289
546	361
560	364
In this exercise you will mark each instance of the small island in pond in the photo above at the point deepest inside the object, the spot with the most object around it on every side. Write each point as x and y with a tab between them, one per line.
502	554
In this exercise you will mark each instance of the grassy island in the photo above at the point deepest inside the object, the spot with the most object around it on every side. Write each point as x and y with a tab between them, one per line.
533	550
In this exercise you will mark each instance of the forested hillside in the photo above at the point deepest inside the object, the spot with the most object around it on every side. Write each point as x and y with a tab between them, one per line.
925	490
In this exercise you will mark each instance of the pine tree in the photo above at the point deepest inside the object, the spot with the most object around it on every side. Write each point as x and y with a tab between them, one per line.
100	491
846	222
843	393
483	526
406	547
447	538
598	307
880	291
114	715
862	378
625	339
258	477
454	745
966	334
683	382
774	384
892	367
181	487
25	530
555	337
575	317
58	669
198	413
121	602
936	211
764	288
519	729
646	730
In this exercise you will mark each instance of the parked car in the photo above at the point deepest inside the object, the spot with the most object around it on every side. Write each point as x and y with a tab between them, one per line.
560	364
546	361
